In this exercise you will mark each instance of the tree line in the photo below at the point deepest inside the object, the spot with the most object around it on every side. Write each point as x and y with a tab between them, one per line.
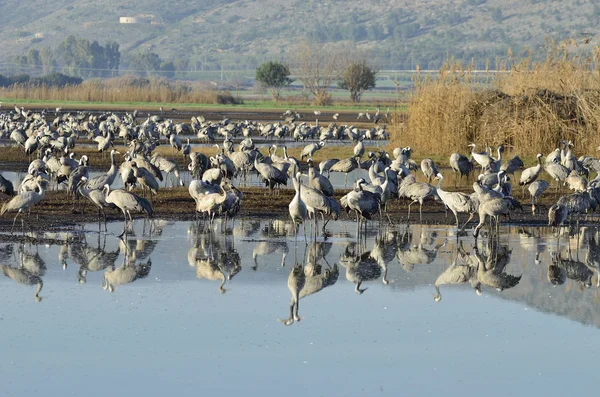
318	69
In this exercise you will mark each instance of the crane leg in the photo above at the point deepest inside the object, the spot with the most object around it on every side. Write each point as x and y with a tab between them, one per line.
468	220
14	221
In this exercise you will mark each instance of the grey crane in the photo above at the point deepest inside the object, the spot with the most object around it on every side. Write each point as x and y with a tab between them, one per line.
186	148
483	159
96	196
310	149
362	202
359	148
578	203
296	281
211	203
429	169
6	186
25	200
317	203
461	165
493	208
346	166
557	171
127	202
416	192
495	164
23	276
107	178
529	175
557	215
457	202
170	167
270	175
318	181
536	189
297	207
553	157
213	175
175	142
576	182
325	166
145	178
199	188
512	165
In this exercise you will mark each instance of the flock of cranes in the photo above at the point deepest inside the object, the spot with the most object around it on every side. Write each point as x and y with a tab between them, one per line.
382	177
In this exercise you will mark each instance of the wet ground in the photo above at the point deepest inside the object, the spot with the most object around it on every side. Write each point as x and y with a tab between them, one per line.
194	309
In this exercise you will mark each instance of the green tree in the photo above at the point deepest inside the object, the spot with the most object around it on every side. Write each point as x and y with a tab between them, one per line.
82	58
357	78
274	76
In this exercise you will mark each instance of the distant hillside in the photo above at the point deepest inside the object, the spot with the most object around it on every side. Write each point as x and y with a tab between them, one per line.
241	34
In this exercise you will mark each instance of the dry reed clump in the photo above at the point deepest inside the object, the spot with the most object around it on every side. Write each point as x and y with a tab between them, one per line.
122	89
528	106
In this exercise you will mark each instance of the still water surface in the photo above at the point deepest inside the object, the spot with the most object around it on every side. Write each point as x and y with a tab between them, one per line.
168	327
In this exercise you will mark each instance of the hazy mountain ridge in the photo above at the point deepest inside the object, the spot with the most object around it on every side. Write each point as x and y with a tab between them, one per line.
398	33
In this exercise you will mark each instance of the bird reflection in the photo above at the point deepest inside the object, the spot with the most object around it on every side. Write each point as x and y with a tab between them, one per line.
125	274
459	272
33	263
491	266
312	280
90	259
25	277
562	269
296	281
361	267
592	257
6	252
214	257
410	255
270	247
138	249
246	228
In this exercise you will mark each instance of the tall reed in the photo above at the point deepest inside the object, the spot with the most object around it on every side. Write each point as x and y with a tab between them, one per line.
526	105
123	89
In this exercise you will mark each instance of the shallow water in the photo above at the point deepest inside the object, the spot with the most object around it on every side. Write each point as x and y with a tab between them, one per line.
174	330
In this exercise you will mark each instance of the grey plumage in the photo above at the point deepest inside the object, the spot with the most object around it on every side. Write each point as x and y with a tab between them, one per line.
364	203
530	174
457	202
512	165
461	165
536	189
417	192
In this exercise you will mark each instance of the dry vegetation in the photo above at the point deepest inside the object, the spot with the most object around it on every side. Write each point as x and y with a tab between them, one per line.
528	106
122	89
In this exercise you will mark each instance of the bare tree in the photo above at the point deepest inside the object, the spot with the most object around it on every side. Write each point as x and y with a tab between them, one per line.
317	69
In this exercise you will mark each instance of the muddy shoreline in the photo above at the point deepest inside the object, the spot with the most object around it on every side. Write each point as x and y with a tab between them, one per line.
56	211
